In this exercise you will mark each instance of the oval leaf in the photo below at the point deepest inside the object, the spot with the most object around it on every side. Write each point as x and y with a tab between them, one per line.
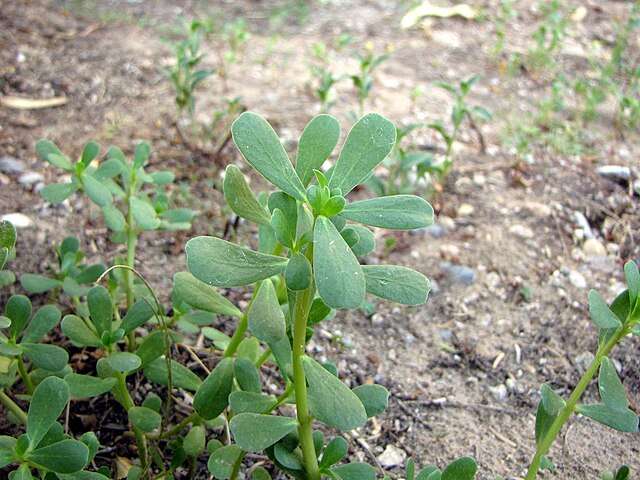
396	212
213	395
181	376
317	141
49	400
144	418
241	199
86	386
266	319
396	283
254	432
189	289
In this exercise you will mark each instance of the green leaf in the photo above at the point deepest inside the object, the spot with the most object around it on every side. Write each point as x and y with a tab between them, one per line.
195	440
66	456
241	402
247	375
601	315
45	319
397	212
286	457
298	273
336	450
123	362
7	235
18	310
375	398
339	276
366	241
90	152
151	347
548	408
266	319
47	357
464	468
317	141
78	332
632	276
139	313
7	445
109	168
368	143
97	192
612	391
212	397
58	192
113	218
22	473
623	420
181	376
260	473
34	283
144	418
261	147
192	291
144	214
254	432
285	232
164	177
87	386
241	199
141	154
330	400
47	403
354	471
396	283
223	264
222	461
48	152
100	309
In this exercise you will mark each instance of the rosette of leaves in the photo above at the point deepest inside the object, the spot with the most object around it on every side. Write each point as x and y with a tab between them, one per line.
315	237
21	336
71	274
7	251
44	447
614	323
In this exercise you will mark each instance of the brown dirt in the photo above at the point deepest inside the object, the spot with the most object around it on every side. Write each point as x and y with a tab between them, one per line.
106	58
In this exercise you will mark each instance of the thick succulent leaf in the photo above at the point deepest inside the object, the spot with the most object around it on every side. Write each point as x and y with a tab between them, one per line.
113	218
247	375
335	451
78	332
548	408
266	319
44	320
223	264
339	276
375	398
144	418
58	192
261	147
623	420
48	357
97	192
181	376
144	214
365	242
254	432
330	400
34	283
66	456
241	199
221	461
48	152
612	391
86	386
464	468
397	212
189	289
368	143
354	471
298	274
601	315
90	152
252	402
18	310
317	141
396	283
632	275
212	396
123	362
139	314
47	403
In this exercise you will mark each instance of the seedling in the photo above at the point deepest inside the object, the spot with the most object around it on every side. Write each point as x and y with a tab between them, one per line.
548	36
71	275
363	80
235	35
460	112
505	14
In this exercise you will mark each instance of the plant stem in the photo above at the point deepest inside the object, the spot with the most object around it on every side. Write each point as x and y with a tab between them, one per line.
132	241
13	407
176	429
243	324
566	412
303	301
28	383
127	403
263	358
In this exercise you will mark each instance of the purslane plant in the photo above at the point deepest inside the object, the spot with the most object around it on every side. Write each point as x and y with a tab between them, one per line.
363	80
7	251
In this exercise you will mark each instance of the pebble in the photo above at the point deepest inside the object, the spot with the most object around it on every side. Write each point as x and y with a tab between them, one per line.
479	179
521	231
377	319
614	172
436	230
459	273
30	178
538	209
463	185
594	248
583	223
499	392
392	457
447	222
11	165
577	279
465	210
493	280
18	220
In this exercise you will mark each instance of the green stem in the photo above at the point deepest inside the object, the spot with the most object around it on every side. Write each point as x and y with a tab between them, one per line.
132	241
13	407
569	408
127	403
243	324
282	398
176	429
28	383
303	300
263	358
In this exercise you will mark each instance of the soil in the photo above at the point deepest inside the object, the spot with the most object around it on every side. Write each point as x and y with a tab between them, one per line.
465	369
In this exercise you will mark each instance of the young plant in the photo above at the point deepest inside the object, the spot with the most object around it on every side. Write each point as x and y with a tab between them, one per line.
548	36
505	14
71	275
460	112
235	36
117	186
7	251
363	80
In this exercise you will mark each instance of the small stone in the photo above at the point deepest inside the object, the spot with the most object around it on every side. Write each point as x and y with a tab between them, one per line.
447	222
594	248
377	320
11	165
18	220
577	279
465	210
521	231
540	210
583	224
449	251
459	273
493	280
463	185
614	172
499	392
392	457
30	178
436	230
479	179
583	361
